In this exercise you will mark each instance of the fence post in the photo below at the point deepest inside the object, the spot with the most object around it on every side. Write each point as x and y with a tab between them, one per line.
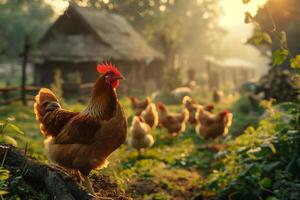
24	64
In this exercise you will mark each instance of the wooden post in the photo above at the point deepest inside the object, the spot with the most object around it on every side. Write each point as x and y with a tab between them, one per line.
24	64
208	72
235	78
191	74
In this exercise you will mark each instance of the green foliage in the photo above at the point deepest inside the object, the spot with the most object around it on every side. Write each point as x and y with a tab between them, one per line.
262	163
258	36
157	196
245	114
8	126
267	37
272	18
74	78
246	1
248	18
279	56
20	19
25	119
57	84
295	62
4	175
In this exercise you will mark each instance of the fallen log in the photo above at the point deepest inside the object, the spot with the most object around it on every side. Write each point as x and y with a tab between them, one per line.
53	181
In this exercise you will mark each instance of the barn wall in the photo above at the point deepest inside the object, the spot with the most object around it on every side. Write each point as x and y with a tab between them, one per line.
140	78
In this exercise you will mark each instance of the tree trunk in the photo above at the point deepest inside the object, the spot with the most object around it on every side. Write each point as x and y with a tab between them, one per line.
53	182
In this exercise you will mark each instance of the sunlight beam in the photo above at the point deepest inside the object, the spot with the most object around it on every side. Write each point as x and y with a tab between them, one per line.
234	11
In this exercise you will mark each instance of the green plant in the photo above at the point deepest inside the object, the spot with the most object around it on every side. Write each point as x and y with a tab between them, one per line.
262	36
5	126
74	78
4	175
262	163
245	114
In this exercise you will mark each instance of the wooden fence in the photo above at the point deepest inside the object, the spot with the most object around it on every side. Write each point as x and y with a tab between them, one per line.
12	94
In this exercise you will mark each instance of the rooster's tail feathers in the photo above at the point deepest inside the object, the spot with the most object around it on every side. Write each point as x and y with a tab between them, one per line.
45	102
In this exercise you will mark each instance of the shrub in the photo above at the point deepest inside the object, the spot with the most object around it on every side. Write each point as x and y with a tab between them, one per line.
56	86
74	78
262	163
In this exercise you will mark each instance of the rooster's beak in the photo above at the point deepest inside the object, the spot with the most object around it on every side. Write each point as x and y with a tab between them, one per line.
119	77
122	77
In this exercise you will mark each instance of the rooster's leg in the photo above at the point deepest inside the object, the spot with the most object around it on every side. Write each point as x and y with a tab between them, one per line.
65	172
80	179
89	185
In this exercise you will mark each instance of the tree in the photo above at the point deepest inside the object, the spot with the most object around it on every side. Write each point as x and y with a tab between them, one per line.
20	18
272	28
280	20
22	22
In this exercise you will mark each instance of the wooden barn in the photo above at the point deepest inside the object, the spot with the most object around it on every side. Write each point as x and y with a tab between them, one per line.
231	70
83	37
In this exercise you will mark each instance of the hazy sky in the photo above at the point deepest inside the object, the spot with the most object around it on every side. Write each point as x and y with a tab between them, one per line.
234	11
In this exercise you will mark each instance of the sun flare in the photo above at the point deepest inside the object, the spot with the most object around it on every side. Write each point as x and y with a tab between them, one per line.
234	11
58	5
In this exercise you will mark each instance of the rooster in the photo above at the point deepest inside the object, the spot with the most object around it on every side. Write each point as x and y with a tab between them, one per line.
139	105
140	137
82	141
210	126
192	107
150	115
174	122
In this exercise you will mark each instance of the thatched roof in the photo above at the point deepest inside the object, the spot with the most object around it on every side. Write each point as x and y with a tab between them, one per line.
231	62
108	36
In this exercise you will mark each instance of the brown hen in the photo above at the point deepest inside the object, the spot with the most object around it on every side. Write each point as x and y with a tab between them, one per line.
210	126
192	107
175	123
139	105
150	115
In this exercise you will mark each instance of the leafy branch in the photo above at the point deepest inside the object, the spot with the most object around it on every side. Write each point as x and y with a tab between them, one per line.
280	55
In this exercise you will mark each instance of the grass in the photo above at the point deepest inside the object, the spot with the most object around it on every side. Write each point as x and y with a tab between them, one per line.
172	168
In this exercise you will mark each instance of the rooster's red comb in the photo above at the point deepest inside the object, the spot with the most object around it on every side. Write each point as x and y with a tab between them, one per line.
225	112
160	105
105	67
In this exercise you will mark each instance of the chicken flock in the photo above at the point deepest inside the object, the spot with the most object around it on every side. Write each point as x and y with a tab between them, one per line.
82	141
208	124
